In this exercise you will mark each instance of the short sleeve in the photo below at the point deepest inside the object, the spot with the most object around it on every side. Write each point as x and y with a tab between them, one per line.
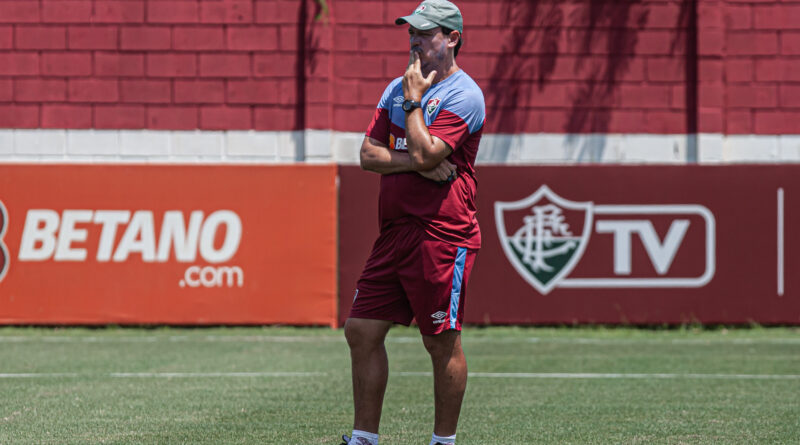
462	114
378	128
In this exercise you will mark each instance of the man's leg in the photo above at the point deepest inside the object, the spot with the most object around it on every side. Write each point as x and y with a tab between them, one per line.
449	379
370	367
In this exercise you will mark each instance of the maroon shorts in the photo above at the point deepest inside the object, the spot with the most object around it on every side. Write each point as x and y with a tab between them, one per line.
410	273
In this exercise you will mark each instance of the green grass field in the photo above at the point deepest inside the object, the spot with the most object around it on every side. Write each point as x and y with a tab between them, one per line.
292	386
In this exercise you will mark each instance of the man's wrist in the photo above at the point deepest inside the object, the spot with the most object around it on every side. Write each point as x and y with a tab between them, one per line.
410	105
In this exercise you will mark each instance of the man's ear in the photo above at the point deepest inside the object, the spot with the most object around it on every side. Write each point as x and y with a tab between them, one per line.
453	38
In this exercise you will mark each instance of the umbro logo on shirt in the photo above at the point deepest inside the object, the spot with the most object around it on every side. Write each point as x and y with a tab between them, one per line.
398	101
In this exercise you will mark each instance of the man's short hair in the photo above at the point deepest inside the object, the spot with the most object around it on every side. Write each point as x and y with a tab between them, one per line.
447	32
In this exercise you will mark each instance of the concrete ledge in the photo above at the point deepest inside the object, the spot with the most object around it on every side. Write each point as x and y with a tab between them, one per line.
324	146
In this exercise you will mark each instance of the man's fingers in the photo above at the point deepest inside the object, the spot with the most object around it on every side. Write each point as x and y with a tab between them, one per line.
446	170
447	165
431	76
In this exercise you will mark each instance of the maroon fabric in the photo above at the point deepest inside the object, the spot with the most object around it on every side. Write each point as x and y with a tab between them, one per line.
452	129
379	126
408	273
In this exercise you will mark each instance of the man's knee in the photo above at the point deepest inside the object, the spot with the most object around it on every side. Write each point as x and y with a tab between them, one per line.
444	344
362	333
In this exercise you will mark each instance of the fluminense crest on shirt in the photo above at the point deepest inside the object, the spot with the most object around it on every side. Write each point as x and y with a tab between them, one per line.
432	105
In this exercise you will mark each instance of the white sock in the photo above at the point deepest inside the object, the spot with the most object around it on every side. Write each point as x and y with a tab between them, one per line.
363	438
443	439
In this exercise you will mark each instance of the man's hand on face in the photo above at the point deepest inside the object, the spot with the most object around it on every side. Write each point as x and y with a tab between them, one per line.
442	173
414	84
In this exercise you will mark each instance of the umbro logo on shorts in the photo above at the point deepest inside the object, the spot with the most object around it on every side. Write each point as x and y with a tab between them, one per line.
439	317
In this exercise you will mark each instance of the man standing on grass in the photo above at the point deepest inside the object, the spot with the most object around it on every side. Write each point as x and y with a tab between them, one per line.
423	140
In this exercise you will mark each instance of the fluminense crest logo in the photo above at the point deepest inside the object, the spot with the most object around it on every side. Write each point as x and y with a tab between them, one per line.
544	237
552	235
432	105
3	250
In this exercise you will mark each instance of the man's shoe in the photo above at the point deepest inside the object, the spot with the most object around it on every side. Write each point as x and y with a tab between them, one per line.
345	439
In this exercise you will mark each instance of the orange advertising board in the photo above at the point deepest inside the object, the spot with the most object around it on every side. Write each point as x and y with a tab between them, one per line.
145	244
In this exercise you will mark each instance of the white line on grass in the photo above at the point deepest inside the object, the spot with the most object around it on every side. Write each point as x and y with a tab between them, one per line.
504	375
583	375
124	375
659	341
213	374
400	340
34	375
172	338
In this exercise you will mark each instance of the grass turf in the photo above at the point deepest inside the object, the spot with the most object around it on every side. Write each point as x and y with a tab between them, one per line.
173	386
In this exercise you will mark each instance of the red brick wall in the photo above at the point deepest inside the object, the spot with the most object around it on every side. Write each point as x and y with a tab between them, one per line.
634	66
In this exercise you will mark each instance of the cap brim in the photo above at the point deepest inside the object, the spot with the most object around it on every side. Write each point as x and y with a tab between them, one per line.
417	21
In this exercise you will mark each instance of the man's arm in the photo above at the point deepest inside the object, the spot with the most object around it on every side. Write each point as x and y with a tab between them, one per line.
425	151
379	158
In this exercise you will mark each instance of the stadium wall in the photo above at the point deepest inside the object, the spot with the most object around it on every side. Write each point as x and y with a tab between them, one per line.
290	80
285	244
617	244
167	244
252	83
